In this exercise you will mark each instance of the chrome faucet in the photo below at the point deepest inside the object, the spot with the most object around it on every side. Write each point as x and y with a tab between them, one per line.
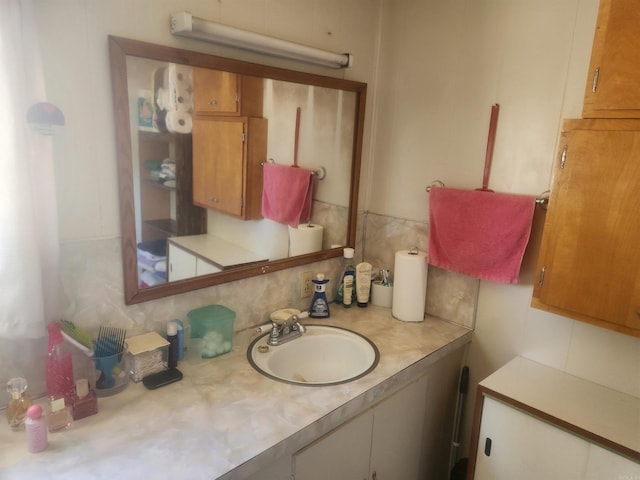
286	330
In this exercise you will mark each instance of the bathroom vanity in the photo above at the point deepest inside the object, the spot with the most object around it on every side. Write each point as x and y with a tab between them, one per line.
533	421
225	420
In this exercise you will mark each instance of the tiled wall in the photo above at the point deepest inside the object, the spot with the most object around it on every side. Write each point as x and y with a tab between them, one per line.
91	273
450	296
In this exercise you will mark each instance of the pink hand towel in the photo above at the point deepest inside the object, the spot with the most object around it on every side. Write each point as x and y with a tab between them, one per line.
286	194
480	234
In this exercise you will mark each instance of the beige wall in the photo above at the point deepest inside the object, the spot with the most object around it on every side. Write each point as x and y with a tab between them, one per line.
442	65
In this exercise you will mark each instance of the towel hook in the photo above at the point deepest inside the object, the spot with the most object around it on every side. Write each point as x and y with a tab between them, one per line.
543	199
320	173
435	182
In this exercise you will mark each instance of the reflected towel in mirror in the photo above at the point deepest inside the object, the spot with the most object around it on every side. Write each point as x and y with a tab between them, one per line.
287	194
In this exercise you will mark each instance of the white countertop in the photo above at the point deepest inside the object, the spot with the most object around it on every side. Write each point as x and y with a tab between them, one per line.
220	252
605	416
224	419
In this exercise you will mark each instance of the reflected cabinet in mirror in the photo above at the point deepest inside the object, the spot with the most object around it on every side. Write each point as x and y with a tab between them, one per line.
229	169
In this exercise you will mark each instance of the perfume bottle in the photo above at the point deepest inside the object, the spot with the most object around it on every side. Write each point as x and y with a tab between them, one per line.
20	401
58	415
85	402
59	367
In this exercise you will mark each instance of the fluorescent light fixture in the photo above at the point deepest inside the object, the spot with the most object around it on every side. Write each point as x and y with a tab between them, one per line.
186	25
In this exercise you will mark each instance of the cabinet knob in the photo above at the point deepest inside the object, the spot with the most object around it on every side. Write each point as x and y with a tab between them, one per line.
213	102
214	200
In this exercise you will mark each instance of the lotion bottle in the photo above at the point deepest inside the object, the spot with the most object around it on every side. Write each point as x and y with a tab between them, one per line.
36	428
363	283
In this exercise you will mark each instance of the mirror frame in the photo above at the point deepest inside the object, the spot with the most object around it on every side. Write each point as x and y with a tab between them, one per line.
119	49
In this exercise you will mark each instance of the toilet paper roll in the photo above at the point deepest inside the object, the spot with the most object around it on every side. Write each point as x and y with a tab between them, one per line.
307	238
178	122
409	285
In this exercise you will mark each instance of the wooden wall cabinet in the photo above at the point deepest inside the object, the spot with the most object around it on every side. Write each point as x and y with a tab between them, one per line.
228	153
613	88
589	263
159	220
229	143
225	93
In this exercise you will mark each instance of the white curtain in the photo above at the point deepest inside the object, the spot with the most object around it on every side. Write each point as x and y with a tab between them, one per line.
29	246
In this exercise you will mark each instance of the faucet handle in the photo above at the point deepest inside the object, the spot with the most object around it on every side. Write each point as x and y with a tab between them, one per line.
300	315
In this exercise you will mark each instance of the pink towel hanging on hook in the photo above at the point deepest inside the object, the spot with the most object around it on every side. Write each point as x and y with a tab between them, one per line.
479	233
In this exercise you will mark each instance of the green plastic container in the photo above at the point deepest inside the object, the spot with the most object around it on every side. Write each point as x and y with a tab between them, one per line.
211	330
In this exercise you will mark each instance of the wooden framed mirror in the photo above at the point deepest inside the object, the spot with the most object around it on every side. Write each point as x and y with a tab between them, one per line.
166	214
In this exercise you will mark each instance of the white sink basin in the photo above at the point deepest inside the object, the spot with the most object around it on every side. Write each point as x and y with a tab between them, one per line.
323	355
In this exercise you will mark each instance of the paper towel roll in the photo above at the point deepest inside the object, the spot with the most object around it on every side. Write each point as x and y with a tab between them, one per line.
178	122
409	285
306	238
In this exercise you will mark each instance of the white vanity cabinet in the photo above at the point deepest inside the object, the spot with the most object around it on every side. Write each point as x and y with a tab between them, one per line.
406	436
533	422
514	444
194	255
184	264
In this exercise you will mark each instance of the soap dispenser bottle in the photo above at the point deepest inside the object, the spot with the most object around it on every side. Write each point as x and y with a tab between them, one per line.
319	305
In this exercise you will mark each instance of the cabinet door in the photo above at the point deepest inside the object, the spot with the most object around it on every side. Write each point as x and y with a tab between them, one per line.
589	256
215	92
340	455
205	268
525	448
614	88
182	264
218	164
398	426
606	464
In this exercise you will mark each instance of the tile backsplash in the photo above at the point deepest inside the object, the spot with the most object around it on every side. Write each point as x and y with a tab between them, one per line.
91	275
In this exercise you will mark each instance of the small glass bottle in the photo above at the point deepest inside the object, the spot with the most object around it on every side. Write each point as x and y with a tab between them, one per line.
59	366
20	401
58	415
85	402
36	427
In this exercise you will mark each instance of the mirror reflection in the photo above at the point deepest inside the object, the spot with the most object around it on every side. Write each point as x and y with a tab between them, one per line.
233	171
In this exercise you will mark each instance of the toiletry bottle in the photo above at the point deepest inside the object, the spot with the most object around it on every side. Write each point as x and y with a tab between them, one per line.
85	402
36	427
180	347
20	401
58	414
319	306
347	280
363	283
59	367
172	338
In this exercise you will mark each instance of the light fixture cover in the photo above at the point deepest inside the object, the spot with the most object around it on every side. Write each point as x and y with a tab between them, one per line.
186	25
